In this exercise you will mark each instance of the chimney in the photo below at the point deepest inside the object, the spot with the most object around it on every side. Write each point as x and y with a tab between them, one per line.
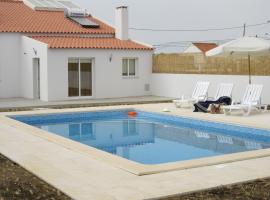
121	23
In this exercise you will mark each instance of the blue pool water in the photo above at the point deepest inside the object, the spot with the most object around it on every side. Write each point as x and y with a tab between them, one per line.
151	138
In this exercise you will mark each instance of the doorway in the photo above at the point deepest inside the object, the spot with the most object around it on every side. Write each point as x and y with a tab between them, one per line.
36	78
79	77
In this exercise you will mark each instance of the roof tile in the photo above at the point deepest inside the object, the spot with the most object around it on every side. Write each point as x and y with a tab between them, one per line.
68	42
15	16
204	47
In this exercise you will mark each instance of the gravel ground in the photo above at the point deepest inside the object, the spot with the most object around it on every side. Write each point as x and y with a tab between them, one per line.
254	190
17	183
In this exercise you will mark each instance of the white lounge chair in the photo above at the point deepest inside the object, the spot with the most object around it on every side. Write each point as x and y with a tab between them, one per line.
224	90
251	101
199	94
201	134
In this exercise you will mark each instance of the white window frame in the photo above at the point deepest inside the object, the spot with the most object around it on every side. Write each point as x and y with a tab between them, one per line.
80	129
136	68
128	132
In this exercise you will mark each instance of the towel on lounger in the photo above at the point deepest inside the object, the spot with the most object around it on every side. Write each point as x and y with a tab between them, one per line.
202	106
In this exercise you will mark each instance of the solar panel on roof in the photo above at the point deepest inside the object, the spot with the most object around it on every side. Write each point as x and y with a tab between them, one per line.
54	3
33	2
44	4
51	4
72	11
47	4
68	4
84	22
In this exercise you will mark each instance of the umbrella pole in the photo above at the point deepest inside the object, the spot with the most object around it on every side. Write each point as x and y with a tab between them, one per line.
249	69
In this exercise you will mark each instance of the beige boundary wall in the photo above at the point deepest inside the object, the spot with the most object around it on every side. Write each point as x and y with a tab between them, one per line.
199	64
176	74
176	85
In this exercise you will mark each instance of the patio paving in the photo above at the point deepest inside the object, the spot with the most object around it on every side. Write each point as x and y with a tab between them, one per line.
25	104
84	177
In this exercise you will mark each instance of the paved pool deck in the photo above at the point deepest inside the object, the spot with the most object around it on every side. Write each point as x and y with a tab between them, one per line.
26	104
82	176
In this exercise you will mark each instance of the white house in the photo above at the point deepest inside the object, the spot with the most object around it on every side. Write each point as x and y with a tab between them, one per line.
53	50
198	50
200	47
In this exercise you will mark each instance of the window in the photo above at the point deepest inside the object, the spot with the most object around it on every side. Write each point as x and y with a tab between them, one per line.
79	77
129	67
73	77
74	130
86	77
130	128
81	131
87	131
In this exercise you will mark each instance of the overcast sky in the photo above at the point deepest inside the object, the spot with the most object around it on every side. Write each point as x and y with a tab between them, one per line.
185	14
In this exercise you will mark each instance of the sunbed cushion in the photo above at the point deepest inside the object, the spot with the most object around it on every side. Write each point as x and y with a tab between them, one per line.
203	106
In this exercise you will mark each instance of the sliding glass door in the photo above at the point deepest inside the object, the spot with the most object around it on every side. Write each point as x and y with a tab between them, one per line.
73	77
79	77
86	77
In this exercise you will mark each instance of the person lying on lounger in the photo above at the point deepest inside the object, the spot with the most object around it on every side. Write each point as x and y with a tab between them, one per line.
203	106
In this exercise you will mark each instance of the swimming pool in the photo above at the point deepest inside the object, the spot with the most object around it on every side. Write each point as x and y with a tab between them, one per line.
151	138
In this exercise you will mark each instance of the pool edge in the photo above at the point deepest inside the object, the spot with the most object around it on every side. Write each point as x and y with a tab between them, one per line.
130	166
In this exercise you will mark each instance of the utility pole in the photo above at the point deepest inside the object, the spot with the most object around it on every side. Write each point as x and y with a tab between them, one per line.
244	31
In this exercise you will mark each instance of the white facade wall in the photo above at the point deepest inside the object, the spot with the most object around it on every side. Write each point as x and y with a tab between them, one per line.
176	85
10	47
107	75
17	76
33	49
192	49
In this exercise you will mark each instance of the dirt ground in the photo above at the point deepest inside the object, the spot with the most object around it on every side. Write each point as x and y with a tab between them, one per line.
17	183
254	190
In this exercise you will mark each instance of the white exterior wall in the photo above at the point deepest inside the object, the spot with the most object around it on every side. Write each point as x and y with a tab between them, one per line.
10	65
176	85
107	76
192	49
28	50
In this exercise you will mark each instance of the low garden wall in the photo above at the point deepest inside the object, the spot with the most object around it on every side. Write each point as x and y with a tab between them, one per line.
175	85
177	74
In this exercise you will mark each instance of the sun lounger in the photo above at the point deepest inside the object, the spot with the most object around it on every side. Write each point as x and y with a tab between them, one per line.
200	134
199	94
224	139
223	96
250	145
251	101
224	90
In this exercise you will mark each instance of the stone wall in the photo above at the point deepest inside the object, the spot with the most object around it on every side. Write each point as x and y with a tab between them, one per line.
199	64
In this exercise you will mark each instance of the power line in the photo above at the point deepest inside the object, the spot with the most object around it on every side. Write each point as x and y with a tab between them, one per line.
184	43
170	46
187	42
164	47
199	30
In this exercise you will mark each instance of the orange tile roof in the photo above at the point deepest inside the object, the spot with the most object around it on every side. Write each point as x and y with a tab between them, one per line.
69	42
204	47
15	16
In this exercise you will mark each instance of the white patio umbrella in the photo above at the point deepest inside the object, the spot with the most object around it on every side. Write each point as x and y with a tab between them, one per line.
245	46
